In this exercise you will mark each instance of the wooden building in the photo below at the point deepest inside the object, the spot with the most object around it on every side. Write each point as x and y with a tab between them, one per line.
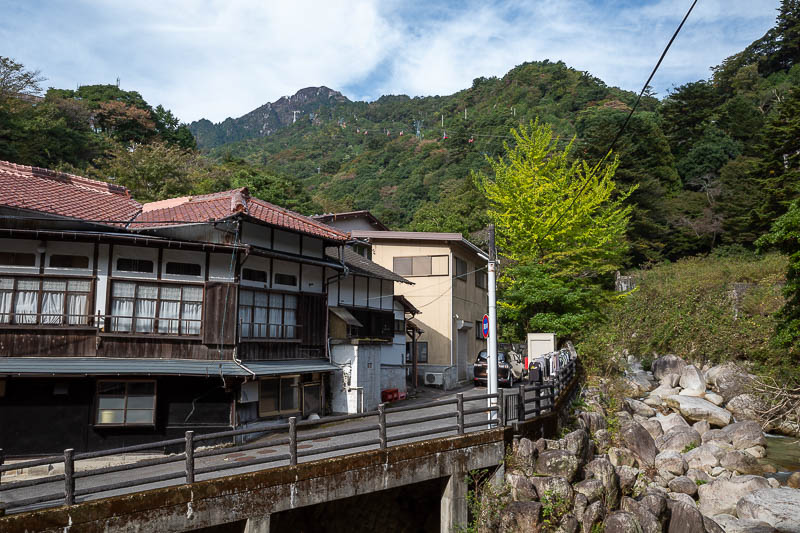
123	323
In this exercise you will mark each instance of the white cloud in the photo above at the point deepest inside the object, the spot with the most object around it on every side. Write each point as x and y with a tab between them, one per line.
218	58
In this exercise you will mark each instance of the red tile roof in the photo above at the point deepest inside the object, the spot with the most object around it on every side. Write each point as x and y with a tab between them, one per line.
220	205
66	195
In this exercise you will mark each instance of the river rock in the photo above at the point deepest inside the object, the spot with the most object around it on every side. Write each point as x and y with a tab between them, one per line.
671	461
670	421
699	477
638	383
559	463
525	453
721	495
602	439
647	520
667	364
715	398
746	434
670	380
699	409
627	478
683	485
521	516
653	401
717	435
593	489
662	392
759	452
705	457
522	489
604	471
621	457
638	440
577	443
711	526
593	421
558	486
579	504
569	524
639	408
621	522
731	524
593	514
701	427
653	427
731	381
794	480
779	508
685	518
740	462
692	378
678	439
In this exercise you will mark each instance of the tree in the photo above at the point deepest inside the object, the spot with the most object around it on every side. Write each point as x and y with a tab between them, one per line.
16	80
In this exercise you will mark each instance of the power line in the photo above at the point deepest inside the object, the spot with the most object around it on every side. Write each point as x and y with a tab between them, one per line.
624	125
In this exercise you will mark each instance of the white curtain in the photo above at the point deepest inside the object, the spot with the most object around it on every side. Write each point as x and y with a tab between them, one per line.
6	297
52	307
276	315
122	294
244	321
192	310
77	301
169	312
290	315
25	304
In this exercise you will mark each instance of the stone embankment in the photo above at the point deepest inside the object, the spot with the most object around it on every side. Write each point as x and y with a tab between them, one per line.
675	460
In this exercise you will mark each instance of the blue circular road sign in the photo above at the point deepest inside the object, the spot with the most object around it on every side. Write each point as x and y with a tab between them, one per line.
485	326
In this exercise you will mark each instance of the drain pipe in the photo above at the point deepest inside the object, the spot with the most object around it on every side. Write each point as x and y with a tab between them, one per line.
241	365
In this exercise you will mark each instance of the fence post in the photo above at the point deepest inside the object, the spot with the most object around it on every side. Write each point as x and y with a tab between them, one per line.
293	441
460	412
2	460
537	403
521	403
189	456
69	476
501	407
382	425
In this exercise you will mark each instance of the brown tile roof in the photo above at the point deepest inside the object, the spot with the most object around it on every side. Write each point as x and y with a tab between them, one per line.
359	264
66	195
220	205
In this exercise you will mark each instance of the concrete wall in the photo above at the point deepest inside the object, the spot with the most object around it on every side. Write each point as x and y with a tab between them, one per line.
360	365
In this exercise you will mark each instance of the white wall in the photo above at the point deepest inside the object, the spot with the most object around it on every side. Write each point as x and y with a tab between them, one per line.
362	363
311	279
219	268
283	241
102	279
183	256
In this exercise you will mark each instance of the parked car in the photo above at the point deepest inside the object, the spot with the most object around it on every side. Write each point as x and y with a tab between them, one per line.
509	368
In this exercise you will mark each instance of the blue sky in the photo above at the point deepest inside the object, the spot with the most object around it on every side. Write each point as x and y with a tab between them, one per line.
220	58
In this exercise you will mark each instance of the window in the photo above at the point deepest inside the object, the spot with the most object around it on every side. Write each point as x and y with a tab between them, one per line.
267	315
126	403
125	264
285	279
44	301
481	279
153	308
183	269
423	265
461	269
17	259
422	352
399	325
479	329
258	276
279	395
69	261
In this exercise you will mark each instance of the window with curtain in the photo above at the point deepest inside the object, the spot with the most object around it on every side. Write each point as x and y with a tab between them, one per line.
267	315
44	301
165	309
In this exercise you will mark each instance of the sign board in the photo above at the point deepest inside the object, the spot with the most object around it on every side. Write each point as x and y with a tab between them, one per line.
485	326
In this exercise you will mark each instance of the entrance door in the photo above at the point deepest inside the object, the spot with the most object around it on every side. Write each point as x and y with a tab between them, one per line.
463	354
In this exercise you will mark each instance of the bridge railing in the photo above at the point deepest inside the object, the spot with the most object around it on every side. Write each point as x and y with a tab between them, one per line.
380	428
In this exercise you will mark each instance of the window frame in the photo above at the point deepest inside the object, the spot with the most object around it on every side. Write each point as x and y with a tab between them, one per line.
84	320
297	378
410	359
482	275
124	423
412	258
283	325
457	263
110	318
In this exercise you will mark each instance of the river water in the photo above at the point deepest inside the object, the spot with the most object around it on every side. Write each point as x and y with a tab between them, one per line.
783	453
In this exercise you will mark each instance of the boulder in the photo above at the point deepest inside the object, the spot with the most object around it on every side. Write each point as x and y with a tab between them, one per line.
670	380
627	478
745	434
717	435
681	497
711	526
621	457
593	489
692	378
592	515
603	470
701	427
731	524
678	439
602	439
519	517
667	364
740	462
700	477
653	427
745	407
653	401
730	382
774	483
685	518
525	453
569	524
577	443
579	504
557	486
670	421
715	398
662	392
522	490
697	393
638	383
593	421
794	480
683	485
759	452
621	522
779	508
639	408
699	409
671	461
558	463
721	495
655	502
647	520
705	457
638	440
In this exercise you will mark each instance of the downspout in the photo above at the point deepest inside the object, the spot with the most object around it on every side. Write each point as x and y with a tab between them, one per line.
238	362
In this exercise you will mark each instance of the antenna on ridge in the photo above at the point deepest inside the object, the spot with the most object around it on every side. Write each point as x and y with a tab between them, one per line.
117	82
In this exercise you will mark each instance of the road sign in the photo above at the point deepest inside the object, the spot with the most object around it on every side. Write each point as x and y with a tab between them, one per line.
485	326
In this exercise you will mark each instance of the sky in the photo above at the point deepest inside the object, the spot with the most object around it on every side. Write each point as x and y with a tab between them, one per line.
222	58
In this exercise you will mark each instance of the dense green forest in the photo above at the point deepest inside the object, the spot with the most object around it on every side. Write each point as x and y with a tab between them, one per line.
711	165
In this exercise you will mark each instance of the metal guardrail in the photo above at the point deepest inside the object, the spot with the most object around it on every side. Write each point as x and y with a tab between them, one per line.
516	406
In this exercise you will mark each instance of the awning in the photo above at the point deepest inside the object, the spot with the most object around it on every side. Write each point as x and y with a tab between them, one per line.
345	315
111	366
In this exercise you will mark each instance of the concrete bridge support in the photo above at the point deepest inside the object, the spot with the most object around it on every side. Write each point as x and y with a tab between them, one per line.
257	524
454	503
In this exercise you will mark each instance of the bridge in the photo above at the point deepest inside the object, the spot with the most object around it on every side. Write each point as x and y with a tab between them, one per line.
203	486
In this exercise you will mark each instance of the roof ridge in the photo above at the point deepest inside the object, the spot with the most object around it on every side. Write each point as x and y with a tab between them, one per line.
72	179
298	216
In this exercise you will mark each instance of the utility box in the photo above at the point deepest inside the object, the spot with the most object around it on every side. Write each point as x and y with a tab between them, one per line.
540	344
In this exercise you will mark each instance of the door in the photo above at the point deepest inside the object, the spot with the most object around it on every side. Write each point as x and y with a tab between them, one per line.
462	354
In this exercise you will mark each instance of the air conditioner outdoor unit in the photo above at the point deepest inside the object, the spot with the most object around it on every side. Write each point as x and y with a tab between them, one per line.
434	378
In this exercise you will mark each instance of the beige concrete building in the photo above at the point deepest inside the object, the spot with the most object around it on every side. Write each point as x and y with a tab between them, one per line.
450	290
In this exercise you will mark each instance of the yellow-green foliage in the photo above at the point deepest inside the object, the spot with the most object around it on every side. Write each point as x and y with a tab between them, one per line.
686	308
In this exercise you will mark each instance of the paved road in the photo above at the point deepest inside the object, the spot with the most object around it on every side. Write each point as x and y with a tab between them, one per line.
309	449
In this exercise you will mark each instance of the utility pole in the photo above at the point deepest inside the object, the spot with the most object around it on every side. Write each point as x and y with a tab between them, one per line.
443	120
491	342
